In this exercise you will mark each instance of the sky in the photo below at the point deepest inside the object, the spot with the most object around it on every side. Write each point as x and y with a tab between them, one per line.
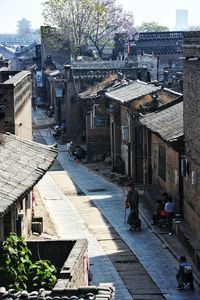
160	11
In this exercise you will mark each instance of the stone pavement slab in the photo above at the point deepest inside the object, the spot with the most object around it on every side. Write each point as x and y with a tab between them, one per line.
159	263
157	260
70	225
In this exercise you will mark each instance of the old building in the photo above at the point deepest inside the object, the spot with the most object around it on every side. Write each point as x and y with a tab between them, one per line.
5	62
15	103
166	48
166	45
22	165
163	150
97	125
191	91
127	139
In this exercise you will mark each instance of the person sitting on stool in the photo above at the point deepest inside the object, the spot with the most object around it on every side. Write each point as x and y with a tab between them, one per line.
184	274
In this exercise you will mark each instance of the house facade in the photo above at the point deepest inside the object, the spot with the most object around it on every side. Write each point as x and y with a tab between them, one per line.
22	165
127	137
97	124
164	150
191	90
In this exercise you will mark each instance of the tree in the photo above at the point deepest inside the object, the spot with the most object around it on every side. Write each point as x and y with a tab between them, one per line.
85	22
151	27
24	27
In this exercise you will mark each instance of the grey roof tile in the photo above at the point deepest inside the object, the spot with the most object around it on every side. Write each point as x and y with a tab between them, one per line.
81	293
94	90
168	123
132	91
22	165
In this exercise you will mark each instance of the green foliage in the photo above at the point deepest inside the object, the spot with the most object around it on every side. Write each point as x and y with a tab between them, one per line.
151	27
43	274
17	269
87	22
15	262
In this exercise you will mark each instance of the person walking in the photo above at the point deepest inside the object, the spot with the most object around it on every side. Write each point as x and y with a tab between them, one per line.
133	198
170	211
132	201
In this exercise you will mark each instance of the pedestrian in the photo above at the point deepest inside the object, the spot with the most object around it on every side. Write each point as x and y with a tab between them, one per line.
132	201
134	220
170	211
133	198
184	274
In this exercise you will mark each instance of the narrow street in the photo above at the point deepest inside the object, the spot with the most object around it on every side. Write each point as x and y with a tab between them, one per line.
137	264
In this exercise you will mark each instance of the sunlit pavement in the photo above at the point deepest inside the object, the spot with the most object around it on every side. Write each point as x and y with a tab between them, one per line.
109	199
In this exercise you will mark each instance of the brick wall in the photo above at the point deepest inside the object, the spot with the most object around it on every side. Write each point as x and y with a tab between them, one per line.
191	92
16	97
67	255
170	184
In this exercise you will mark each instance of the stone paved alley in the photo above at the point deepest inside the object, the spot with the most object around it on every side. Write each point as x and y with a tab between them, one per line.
73	219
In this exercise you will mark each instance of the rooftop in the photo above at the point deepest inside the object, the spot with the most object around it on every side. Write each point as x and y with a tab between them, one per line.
96	65
14	80
132	91
168	123
101	292
22	164
93	91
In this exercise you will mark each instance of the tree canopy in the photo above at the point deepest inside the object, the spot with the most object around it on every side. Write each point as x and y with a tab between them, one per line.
88	22
151	27
24	26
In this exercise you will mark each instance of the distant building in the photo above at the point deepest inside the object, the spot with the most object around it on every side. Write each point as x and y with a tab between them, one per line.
15	103
166	47
181	19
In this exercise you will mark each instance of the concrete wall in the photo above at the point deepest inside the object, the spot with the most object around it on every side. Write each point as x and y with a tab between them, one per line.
191	92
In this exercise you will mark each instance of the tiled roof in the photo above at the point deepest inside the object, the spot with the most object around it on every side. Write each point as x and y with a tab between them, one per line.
168	123
22	165
14	80
98	65
132	91
101	292
93	91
